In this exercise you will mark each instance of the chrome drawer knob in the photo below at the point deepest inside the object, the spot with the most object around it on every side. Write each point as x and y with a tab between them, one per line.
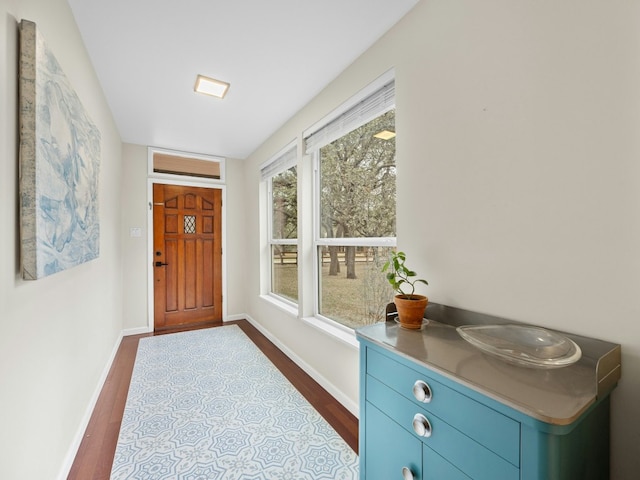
406	473
422	391
421	425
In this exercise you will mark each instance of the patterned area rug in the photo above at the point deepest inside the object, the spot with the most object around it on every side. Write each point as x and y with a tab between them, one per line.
209	405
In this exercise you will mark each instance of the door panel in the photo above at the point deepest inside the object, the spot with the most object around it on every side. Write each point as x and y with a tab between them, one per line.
187	255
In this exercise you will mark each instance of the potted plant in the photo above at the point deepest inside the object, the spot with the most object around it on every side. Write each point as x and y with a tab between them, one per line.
410	306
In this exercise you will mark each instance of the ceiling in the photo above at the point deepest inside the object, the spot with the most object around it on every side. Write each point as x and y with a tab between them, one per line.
277	55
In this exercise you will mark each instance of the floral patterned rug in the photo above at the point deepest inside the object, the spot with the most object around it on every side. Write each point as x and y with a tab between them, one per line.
209	405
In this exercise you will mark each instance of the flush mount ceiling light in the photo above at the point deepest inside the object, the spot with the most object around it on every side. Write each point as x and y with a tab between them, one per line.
211	86
385	135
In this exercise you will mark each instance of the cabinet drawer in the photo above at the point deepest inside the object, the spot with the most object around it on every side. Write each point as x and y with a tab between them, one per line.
457	448
492	429
386	458
389	448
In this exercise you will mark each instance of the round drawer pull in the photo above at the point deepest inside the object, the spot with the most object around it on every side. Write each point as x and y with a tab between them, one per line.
422	391
407	474
421	425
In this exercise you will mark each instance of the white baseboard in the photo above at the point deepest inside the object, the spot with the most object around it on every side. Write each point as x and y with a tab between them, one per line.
353	407
136	331
77	439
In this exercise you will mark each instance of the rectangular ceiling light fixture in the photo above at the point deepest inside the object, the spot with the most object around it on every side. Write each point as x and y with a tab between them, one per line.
211	86
385	135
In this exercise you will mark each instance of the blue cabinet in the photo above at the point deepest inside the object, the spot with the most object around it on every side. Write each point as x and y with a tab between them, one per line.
451	431
420	420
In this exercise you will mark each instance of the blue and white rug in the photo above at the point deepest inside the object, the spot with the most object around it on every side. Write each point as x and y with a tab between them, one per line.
209	405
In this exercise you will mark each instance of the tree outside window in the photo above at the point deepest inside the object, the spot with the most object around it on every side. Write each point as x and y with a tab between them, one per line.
284	234
357	222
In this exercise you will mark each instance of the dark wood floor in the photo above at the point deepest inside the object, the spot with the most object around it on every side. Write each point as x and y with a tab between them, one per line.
95	455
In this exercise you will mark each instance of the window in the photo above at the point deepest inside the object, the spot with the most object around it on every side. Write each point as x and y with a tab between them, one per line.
168	164
355	212
282	187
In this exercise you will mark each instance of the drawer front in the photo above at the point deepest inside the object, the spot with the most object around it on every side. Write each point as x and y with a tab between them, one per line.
492	429
385	458
457	448
388	449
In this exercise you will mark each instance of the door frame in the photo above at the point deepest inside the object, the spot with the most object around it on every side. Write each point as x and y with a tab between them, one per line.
186	182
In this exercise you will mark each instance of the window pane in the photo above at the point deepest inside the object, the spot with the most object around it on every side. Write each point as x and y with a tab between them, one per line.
189	224
284	271
353	289
358	183
285	205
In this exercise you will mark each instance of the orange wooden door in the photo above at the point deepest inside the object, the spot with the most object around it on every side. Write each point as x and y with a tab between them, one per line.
187	255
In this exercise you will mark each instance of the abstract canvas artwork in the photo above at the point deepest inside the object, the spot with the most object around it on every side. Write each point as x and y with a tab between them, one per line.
59	165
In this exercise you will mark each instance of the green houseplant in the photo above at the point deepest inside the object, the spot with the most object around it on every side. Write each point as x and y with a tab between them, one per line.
410	305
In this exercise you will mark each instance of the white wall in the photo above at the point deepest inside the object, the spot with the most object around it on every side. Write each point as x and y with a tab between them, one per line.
134	249
234	255
56	333
518	175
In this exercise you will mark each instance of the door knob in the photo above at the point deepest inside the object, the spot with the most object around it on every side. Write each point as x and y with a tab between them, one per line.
160	264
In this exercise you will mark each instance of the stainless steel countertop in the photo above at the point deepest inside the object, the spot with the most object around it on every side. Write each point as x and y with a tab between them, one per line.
556	396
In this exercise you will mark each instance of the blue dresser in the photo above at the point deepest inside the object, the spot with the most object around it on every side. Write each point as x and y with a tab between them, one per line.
433	406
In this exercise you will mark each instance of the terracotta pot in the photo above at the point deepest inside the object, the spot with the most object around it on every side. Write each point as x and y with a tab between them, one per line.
411	310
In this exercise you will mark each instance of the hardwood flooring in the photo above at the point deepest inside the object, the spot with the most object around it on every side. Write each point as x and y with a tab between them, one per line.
95	455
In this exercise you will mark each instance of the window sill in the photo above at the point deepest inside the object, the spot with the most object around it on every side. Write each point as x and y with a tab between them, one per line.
343	335
282	305
347	337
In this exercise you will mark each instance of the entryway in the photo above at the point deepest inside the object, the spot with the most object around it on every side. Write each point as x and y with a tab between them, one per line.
187	256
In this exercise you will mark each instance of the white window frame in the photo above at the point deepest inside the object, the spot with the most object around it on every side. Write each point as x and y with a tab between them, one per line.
328	324
270	169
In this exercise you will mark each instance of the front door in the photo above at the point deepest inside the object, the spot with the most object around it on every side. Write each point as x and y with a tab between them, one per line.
187	256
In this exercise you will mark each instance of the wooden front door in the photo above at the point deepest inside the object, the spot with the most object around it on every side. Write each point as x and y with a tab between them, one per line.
187	256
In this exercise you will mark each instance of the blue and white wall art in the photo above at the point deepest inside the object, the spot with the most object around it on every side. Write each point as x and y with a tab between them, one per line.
59	165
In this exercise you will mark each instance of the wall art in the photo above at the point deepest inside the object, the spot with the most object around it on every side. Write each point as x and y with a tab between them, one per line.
59	165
